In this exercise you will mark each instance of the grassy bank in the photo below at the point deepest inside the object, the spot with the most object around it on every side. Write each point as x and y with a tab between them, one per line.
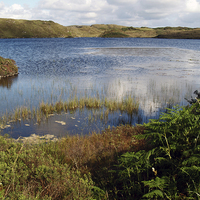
12	28
157	160
7	67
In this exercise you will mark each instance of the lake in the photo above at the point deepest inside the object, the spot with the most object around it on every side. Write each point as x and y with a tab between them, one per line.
159	73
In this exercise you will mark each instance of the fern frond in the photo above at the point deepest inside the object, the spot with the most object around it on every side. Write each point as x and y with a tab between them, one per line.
153	194
193	160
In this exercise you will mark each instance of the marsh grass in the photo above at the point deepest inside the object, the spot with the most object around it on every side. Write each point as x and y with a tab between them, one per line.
128	105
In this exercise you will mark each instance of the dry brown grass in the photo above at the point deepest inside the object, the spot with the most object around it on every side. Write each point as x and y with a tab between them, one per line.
91	152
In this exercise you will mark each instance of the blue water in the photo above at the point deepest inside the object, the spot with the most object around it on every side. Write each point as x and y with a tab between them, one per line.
159	72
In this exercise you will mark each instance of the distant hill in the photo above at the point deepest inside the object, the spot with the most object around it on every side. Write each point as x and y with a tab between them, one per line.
12	28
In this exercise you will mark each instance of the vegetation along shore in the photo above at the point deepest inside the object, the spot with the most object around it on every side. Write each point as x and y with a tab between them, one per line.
13	28
7	67
157	160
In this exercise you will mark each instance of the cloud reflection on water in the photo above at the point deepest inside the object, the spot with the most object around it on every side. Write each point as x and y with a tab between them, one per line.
157	77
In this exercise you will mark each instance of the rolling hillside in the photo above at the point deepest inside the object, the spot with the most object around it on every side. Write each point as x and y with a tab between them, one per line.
12	28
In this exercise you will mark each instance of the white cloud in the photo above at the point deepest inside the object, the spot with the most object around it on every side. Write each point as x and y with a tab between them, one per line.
121	2
150	13
193	6
14	11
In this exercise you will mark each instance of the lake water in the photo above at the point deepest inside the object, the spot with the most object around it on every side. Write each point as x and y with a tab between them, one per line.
158	72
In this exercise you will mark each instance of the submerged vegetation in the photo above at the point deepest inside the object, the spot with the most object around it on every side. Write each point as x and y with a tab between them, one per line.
12	28
7	67
157	160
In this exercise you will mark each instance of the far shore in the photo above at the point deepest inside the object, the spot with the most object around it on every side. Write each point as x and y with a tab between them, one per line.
14	28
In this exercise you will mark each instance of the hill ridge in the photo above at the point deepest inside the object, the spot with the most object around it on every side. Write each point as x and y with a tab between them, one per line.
15	28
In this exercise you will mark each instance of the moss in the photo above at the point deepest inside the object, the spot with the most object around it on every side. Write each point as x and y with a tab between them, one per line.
7	67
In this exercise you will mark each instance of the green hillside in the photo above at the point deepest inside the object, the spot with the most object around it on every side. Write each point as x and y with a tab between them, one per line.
11	28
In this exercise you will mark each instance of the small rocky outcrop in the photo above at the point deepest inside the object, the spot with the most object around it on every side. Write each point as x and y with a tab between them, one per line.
7	67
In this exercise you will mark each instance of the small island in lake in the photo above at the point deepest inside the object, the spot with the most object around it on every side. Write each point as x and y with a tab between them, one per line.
7	67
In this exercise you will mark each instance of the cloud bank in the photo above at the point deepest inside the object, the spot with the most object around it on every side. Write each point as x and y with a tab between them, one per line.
136	13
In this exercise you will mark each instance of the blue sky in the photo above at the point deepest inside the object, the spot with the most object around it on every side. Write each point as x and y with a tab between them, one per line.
136	13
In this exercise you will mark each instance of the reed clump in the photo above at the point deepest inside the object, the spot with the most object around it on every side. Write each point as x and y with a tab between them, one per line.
128	105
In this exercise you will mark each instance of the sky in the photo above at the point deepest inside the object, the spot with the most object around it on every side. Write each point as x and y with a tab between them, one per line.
136	13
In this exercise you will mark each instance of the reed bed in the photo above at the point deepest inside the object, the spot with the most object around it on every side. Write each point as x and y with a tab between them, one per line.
128	105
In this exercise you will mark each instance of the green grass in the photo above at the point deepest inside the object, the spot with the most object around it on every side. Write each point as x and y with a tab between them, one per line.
7	67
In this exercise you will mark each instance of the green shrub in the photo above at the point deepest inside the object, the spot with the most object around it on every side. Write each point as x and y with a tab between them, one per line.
170	168
29	171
